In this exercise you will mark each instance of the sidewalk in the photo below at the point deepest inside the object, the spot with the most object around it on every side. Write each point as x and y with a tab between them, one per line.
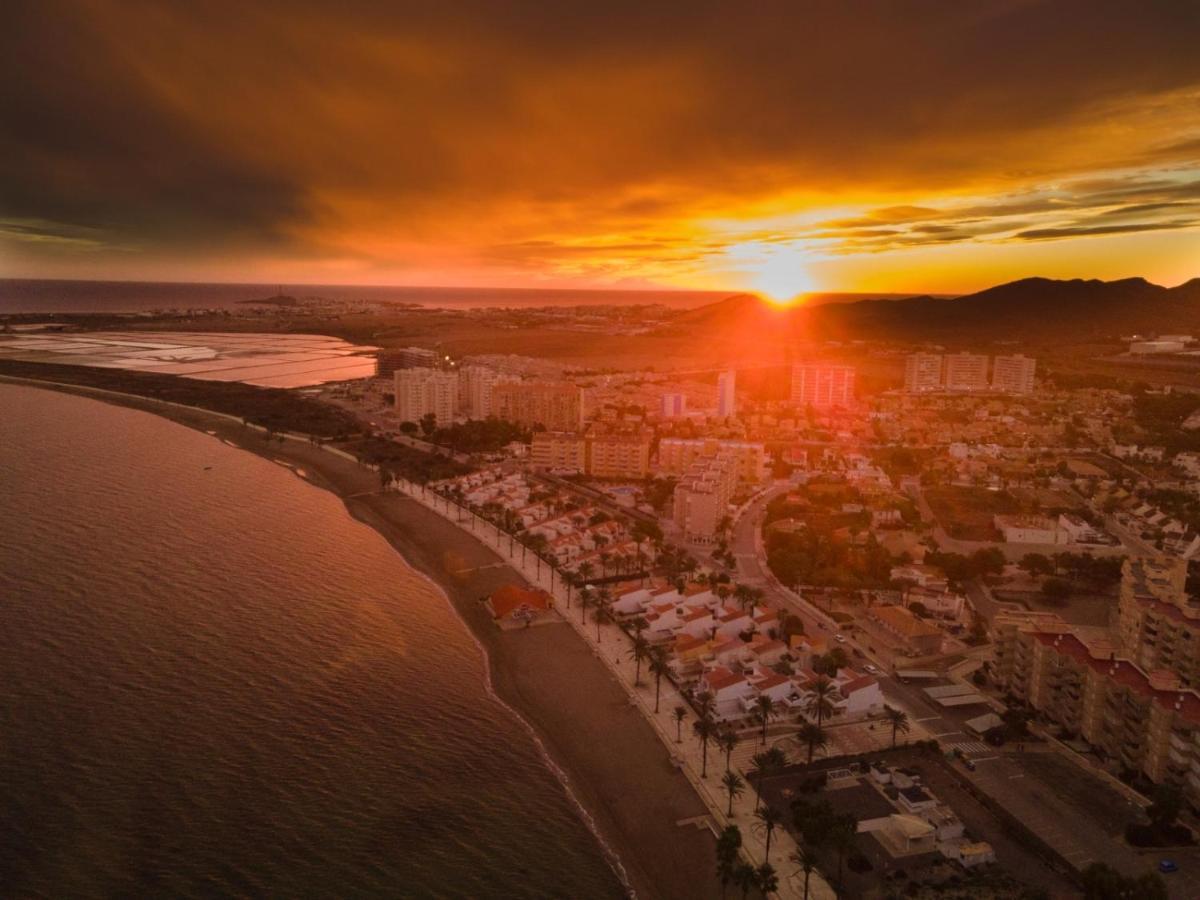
613	648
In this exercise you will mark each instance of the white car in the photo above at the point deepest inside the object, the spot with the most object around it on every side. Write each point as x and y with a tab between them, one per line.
840	638
870	669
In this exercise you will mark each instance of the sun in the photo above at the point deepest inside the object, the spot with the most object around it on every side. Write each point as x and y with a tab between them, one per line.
779	272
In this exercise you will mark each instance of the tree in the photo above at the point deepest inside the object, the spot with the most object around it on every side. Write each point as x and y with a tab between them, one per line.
820	704
813	735
1057	590
769	818
1166	806
1037	564
587	599
767	763
806	859
428	424
639	652
841	835
729	846
764	710
705	728
659	666
766	879
1102	882
898	719
734	787
744	877
602	616
727	740
680	713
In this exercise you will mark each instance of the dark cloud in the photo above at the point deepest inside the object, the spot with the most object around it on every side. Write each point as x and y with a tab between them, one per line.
359	129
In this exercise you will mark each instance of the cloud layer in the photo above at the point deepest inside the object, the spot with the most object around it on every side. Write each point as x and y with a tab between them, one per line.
585	143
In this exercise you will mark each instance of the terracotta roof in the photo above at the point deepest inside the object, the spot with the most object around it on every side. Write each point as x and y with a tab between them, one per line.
510	597
719	678
903	621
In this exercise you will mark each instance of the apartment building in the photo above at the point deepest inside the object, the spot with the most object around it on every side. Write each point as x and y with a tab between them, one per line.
558	451
923	373
615	453
1013	374
1142	722
422	391
475	385
677	455
702	496
822	385
966	372
726	394
556	405
674	406
1158	624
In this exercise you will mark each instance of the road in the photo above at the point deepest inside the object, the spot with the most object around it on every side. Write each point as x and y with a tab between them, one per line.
752	570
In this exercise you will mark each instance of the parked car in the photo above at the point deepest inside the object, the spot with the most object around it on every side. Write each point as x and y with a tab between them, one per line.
870	669
840	638
1167	866
969	763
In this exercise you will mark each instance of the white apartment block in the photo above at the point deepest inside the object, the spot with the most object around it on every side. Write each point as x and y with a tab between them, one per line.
923	373
475	390
822	385
966	372
1013	374
726	394
677	455
701	498
422	391
674	405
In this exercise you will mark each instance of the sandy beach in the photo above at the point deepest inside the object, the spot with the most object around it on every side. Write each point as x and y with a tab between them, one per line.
615	763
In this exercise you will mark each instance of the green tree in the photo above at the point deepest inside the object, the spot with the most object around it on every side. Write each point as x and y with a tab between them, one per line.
679	713
814	735
734	787
705	729
766	764
659	666
638	652
806	859
766	879
820	703
729	848
727	740
769	818
898	719
764	711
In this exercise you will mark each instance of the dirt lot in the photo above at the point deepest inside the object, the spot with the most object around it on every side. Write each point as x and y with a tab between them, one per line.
966	512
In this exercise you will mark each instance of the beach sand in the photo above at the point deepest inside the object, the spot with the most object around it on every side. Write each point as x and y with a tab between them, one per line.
615	763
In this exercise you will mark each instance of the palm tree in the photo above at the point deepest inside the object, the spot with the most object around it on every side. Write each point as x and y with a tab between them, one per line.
638	652
766	763
813	735
764	709
766	879
680	713
705	728
602	616
659	666
745	876
586	600
585	570
729	845
898	719
734	787
807	861
605	559
820	704
727	740
704	704
769	818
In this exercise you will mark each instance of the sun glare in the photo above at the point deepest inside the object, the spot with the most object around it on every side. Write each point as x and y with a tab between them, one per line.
779	272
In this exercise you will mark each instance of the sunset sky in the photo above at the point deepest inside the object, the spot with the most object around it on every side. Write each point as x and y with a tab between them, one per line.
779	147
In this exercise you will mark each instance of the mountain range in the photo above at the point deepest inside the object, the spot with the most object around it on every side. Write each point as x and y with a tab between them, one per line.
1033	310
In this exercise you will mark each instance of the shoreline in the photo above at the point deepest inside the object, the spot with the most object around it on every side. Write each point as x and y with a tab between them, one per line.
610	761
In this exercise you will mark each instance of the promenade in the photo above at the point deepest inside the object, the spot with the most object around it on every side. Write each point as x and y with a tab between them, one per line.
613	648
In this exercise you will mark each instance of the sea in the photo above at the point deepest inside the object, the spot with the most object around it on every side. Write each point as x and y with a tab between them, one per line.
58	296
214	682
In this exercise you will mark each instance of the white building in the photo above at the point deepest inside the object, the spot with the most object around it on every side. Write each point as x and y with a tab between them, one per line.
422	391
966	372
1013	374
923	373
1022	529
475	390
822	385
726	398
701	499
674	406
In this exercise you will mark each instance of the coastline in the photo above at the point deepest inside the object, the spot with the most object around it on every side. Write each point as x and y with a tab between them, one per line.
609	757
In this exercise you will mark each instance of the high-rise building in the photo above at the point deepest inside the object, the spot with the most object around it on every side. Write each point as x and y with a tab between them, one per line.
422	391
673	405
1158	623
618	453
726	397
555	405
405	358
475	385
558	451
966	372
701	498
923	373
677	455
822	385
1013	374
